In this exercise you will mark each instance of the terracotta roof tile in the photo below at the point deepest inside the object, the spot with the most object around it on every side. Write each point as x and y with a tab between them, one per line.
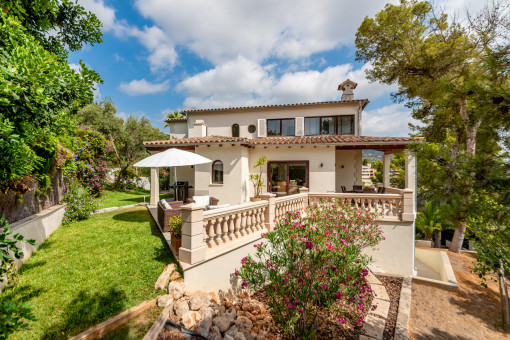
364	101
291	140
183	119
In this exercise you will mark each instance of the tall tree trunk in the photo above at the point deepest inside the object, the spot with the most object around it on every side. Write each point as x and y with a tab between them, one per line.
437	239
122	172
471	129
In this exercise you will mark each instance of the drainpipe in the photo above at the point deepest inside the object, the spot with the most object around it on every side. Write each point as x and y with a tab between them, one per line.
359	118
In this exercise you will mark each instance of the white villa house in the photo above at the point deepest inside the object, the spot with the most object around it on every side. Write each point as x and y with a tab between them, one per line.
314	151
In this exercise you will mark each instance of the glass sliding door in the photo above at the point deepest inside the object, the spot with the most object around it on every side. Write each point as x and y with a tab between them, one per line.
285	178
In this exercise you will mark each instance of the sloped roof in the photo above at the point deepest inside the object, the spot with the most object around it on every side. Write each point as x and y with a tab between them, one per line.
337	140
362	101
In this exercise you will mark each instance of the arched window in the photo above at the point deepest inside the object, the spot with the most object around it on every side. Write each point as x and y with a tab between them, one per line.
217	172
235	130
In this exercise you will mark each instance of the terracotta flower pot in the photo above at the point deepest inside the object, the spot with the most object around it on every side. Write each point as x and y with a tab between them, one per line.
175	242
255	199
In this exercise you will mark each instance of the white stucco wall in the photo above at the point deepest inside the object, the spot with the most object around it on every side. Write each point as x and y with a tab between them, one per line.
235	160
395	254
179	129
219	272
220	123
348	169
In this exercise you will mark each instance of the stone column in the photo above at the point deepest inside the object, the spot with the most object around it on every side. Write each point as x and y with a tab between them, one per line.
270	211
154	186
192	249
386	170
410	171
408	205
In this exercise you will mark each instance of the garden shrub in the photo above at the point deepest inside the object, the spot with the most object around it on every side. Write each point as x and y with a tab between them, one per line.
175	225
80	203
314	261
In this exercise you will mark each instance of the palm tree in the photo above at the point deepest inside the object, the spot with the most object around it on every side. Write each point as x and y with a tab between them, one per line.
172	115
432	219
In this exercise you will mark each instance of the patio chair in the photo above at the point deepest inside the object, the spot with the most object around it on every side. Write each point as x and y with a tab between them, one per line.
369	190
381	190
204	200
357	188
344	189
165	211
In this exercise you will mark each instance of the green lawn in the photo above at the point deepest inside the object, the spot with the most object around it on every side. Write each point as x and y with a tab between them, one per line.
89	271
119	198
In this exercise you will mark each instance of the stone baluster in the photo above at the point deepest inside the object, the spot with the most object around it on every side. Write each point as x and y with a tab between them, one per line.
193	248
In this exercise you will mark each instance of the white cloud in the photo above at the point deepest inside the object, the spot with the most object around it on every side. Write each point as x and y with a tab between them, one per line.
142	86
241	82
391	120
104	13
222	30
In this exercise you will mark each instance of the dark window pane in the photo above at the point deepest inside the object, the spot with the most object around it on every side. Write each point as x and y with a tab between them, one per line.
273	127
235	130
328	126
279	179
346	125
217	172
312	126
288	127
252	128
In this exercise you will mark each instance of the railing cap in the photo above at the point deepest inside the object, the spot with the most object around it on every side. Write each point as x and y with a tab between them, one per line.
193	206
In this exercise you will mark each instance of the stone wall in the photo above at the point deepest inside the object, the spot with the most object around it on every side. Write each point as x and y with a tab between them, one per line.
16	209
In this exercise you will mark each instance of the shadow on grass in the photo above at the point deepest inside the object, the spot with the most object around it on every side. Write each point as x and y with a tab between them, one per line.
31	265
85	311
137	216
21	293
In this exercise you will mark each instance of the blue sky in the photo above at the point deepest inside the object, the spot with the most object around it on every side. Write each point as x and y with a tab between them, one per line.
158	56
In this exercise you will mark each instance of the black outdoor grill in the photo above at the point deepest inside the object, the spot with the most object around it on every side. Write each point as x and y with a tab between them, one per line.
181	190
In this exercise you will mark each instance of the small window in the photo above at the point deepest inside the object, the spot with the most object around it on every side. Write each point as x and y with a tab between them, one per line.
217	172
235	130
281	127
252	128
346	125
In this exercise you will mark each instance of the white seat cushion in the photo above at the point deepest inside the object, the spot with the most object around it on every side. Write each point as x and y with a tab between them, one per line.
202	200
165	204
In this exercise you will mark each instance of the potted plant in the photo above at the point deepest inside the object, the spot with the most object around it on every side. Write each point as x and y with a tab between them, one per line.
175	226
256	179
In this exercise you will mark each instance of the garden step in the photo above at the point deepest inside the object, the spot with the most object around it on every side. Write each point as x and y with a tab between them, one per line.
374	327
380	292
383	307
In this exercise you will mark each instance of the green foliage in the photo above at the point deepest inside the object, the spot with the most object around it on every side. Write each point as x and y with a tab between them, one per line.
37	95
455	77
73	26
172	115
80	203
314	262
12	318
256	179
12	315
432	218
175	225
490	230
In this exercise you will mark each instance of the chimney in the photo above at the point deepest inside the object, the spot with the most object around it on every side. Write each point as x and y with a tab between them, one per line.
199	129
346	87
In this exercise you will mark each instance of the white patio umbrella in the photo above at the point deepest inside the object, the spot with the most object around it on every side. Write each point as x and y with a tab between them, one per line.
172	157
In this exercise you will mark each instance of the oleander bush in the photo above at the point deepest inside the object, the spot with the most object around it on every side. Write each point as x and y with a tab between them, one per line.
314	261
